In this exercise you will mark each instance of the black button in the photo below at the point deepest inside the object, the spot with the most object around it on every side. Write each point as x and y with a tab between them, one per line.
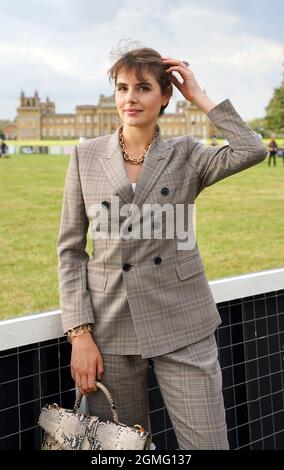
165	191
126	267
130	228
157	260
105	204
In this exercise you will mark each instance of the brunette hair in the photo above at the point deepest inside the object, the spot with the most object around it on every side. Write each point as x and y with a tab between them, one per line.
139	60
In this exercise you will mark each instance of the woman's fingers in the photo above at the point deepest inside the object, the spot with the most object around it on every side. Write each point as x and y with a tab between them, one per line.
175	62
84	384
181	72
100	367
72	372
175	67
175	81
78	382
92	382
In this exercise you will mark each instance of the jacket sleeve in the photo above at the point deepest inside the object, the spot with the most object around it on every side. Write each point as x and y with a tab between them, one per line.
75	302
244	148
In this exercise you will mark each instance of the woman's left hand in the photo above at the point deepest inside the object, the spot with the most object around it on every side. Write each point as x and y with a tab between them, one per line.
189	87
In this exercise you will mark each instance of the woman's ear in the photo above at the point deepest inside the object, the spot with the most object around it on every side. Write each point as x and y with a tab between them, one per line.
167	96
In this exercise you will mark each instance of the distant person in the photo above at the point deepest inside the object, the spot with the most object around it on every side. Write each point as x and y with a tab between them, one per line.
4	149
273	149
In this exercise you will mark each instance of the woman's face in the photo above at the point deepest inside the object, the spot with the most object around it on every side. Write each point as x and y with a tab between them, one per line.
145	97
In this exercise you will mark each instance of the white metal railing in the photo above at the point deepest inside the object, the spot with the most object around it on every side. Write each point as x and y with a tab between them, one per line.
44	326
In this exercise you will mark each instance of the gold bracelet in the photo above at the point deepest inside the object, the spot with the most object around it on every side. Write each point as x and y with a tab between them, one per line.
79	330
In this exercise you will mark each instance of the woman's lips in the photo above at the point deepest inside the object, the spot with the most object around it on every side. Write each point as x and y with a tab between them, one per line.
133	112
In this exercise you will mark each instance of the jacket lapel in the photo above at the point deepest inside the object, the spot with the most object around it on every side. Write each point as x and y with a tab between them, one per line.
155	162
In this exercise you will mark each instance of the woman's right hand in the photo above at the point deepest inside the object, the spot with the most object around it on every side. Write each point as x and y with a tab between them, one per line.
86	363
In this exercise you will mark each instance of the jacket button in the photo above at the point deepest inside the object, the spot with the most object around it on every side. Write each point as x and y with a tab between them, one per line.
157	260
126	267
165	191
105	204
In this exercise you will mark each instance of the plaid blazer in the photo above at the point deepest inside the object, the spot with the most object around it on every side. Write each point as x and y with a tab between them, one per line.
144	296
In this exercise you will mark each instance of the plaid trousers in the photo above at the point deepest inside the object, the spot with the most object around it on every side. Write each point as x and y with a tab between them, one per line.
190	382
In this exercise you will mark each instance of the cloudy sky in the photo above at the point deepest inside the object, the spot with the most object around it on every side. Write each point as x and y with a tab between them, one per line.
62	47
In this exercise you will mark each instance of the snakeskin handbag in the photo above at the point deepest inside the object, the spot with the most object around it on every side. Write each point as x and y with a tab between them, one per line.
66	429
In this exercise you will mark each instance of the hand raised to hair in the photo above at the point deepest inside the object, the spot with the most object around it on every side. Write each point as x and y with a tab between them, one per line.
189	87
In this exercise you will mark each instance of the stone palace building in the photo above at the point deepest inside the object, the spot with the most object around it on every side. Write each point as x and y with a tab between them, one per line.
38	120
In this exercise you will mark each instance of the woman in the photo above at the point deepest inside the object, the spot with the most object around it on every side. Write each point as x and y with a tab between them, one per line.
149	297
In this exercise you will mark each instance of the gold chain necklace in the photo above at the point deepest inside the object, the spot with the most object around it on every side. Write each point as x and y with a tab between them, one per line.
126	156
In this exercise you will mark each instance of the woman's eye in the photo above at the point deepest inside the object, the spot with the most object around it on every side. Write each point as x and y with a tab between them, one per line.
141	88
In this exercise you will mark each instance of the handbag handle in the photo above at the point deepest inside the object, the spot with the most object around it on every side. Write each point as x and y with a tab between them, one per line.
107	393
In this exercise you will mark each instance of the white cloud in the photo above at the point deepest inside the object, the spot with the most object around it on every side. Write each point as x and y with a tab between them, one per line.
57	61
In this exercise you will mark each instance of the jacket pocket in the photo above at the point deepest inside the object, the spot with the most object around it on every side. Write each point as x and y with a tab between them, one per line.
96	281
189	268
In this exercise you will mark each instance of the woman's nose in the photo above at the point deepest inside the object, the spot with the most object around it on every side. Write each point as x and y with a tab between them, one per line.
130	96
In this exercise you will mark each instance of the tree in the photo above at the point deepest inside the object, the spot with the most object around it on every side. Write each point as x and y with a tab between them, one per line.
3	124
275	111
259	126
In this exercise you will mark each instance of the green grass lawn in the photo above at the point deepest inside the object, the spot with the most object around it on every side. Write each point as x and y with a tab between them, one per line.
42	142
240	227
73	142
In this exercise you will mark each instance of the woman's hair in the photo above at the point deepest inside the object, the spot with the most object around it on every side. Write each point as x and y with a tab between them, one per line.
139	60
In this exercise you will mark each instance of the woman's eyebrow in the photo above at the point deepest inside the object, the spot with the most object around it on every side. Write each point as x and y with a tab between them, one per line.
140	83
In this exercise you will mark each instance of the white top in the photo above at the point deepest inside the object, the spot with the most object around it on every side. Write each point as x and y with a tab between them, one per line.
133	186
